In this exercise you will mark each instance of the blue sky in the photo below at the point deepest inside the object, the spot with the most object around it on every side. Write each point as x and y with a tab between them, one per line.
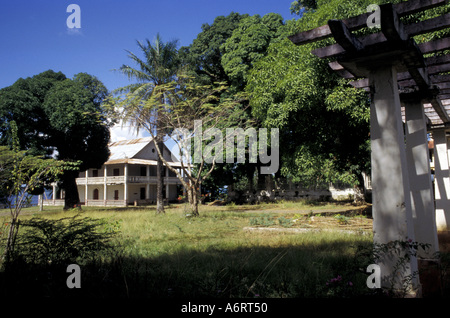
34	36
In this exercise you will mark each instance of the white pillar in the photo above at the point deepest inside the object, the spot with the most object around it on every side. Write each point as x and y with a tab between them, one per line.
147	195
105	191
392	215
419	173
125	190
442	181
41	202
86	188
54	193
167	184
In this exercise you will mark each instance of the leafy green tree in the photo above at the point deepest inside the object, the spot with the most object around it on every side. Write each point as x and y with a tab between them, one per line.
22	102
61	117
247	44
298	7
79	127
205	53
324	123
21	174
224	52
158	67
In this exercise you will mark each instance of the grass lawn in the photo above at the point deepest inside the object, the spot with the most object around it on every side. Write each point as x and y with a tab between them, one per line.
223	253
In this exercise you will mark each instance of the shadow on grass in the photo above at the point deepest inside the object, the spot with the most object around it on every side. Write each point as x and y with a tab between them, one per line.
322	270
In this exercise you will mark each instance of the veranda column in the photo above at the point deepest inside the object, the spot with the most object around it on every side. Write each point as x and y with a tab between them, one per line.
442	181
125	185
86	188
419	173
54	193
391	208
105	192
167	184
147	191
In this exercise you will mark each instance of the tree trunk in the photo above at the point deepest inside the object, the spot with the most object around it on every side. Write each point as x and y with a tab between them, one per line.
194	205
359	198
159	180
193	200
11	240
71	198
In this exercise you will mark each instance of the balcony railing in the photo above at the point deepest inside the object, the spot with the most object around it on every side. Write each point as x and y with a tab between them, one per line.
121	180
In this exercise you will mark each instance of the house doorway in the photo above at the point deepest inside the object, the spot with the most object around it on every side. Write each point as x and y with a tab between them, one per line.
95	194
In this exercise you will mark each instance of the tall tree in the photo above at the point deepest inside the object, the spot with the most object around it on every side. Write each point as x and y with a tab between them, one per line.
323	122
247	44
22	102
79	127
308	94
225	51
193	113
205	53
158	67
61	117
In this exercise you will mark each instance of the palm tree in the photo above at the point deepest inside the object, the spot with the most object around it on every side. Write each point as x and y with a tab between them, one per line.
159	67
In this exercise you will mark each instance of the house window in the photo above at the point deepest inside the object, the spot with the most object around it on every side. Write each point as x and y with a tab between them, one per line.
143	171
95	173
116	194
116	172
142	194
95	194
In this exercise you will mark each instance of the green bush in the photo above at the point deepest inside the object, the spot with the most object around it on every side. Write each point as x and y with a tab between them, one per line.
44	241
262	221
285	222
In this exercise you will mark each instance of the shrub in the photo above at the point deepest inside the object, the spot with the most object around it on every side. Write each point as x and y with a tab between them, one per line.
285	222
262	221
45	241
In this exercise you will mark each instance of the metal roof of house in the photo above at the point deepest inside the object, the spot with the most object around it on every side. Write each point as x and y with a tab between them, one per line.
124	151
141	162
127	149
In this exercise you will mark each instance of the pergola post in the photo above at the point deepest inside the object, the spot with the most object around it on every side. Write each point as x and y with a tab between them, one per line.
442	180
383	63
391	208
422	197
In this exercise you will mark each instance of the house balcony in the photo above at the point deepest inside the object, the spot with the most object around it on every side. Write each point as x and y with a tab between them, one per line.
121	180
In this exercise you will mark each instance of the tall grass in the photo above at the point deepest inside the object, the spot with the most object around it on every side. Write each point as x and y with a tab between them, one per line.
172	255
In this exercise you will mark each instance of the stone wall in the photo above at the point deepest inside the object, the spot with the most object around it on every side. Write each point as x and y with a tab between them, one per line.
281	189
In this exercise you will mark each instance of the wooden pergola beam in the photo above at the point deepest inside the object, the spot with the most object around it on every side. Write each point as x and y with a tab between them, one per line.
440	78
440	109
436	69
343	36
435	46
430	25
391	26
359	22
377	38
437	60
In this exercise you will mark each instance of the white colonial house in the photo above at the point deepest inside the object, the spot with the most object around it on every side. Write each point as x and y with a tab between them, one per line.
127	178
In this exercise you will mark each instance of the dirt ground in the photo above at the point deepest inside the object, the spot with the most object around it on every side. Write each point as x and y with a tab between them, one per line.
346	220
